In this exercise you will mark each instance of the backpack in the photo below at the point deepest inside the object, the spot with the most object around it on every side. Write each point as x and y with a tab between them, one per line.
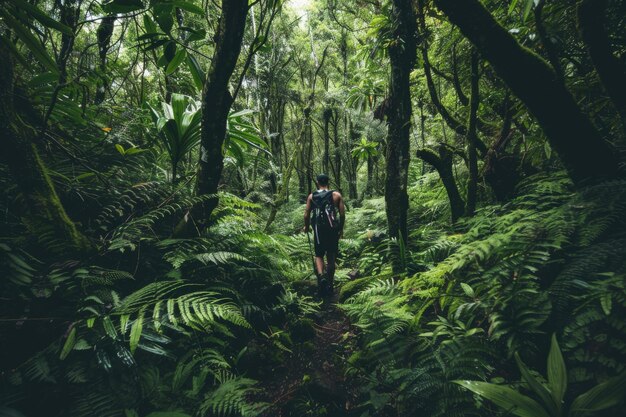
324	215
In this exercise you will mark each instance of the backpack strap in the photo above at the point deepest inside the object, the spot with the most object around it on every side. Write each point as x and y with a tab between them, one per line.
319	196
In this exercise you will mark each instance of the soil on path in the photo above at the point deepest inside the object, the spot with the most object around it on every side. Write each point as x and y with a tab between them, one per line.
313	381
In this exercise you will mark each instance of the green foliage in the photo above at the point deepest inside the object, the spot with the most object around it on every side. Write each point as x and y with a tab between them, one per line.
231	399
483	289
600	397
154	322
178	128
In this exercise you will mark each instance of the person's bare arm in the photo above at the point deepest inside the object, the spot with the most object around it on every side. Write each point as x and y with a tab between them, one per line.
307	213
342	213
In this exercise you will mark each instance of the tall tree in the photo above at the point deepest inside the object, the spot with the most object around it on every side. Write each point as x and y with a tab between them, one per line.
612	72
472	156
20	124
217	100
402	55
570	132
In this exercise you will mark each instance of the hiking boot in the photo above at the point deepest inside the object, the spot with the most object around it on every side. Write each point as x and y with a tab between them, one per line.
322	284
330	289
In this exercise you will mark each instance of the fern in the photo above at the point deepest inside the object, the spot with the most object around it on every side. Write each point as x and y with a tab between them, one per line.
232	398
176	301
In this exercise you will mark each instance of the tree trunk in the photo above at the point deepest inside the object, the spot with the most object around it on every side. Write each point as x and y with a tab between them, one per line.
69	13
501	168
591	16
472	156
443	164
326	157
353	162
402	58
422	131
216	100
370	177
104	33
583	152
553	57
455	124
43	213
455	79
337	152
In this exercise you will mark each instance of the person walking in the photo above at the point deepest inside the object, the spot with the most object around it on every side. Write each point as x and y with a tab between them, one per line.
322	207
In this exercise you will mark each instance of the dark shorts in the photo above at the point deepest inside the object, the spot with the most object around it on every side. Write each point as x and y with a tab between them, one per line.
326	241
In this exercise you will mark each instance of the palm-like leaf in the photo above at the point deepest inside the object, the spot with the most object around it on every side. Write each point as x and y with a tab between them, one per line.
179	130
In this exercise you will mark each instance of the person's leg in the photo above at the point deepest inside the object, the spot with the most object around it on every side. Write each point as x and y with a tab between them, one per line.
319	264
319	253
331	257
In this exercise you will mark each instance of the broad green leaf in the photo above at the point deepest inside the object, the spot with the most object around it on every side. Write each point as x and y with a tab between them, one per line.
527	8
133	151
135	332
606	302
557	374
537	387
196	72
20	262
467	290
124	323
600	397
149	24
41	16
188	6
176	61
196	35
109	328
240	113
507	398
31	42
69	343
120	149
163	16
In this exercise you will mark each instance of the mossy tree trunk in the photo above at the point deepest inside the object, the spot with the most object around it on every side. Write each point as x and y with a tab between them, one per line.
570	132
217	100
104	34
402	55
456	82
336	151
326	157
442	160
612	73
472	156
43	213
501	169
352	162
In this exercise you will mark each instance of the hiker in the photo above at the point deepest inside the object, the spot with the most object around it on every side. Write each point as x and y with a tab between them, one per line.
324	204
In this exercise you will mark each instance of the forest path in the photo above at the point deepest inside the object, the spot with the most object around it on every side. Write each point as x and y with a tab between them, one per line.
312	381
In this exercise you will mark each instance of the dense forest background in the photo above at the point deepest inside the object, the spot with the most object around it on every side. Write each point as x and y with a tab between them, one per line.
155	158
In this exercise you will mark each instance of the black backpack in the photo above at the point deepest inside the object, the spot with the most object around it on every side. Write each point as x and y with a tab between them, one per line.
324	215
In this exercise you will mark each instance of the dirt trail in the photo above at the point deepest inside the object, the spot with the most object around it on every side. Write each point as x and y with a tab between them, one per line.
313	381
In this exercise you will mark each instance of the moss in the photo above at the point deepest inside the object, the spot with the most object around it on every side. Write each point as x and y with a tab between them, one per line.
48	211
352	287
302	331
